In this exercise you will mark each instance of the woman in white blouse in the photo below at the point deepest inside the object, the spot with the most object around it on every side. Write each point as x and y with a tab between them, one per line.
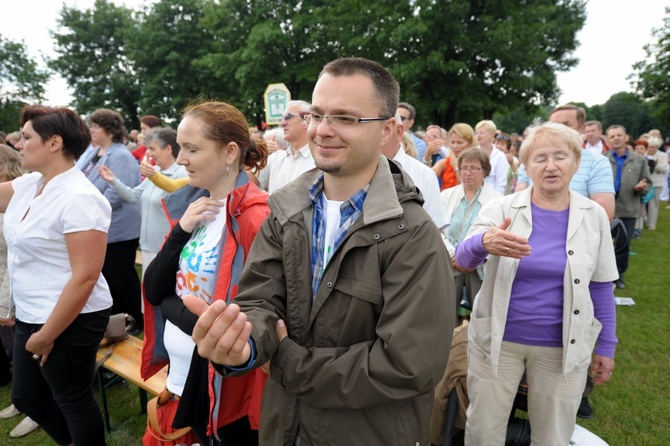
56	225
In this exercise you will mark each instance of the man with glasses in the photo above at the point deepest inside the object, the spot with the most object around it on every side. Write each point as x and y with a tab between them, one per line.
285	166
407	115
347	295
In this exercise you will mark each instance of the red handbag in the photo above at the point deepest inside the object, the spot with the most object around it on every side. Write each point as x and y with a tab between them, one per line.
159	432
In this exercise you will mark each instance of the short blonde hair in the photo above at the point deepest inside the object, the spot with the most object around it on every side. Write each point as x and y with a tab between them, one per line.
558	134
487	125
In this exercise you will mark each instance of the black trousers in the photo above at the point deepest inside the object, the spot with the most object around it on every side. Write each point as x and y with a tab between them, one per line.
623	257
124	283
59	395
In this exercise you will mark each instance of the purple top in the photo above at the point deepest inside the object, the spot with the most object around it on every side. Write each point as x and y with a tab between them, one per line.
535	314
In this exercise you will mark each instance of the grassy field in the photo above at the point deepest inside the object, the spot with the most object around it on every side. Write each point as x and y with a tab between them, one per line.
630	410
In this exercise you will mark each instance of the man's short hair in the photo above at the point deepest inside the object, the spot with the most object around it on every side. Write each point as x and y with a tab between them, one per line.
596	123
386	86
581	113
409	108
615	126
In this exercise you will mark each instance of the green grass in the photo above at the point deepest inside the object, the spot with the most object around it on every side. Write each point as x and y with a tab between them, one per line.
631	410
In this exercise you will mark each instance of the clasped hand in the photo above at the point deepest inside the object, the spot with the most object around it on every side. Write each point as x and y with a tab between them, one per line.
222	332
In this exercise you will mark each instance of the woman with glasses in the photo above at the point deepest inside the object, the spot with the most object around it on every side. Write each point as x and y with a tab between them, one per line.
461	137
462	204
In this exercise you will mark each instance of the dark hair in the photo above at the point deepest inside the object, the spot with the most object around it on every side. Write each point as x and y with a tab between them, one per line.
504	137
410	108
61	121
223	124
163	137
581	113
387	88
111	122
151	121
476	154
616	126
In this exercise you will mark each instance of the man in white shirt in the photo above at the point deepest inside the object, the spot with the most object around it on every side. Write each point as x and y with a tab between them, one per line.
285	166
485	132
423	176
593	130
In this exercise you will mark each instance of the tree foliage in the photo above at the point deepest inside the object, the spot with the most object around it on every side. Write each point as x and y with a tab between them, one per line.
92	48
21	82
163	45
458	60
629	110
651	75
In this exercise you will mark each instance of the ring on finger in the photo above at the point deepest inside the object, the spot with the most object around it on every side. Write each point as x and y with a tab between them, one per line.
37	357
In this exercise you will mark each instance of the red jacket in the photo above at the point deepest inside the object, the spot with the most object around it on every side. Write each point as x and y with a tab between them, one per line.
238	397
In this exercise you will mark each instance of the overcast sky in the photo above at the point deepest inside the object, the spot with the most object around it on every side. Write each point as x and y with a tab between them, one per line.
611	42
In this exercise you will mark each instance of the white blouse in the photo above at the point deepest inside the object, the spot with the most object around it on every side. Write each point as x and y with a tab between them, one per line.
34	228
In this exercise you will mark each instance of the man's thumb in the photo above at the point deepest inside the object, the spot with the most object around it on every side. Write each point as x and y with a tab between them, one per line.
195	305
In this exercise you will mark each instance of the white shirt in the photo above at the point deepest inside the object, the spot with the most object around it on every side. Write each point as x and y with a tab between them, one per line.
425	179
39	263
497	179
596	149
285	166
198	268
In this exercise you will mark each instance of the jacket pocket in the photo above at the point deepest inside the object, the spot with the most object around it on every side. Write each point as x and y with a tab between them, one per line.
361	289
590	337
479	335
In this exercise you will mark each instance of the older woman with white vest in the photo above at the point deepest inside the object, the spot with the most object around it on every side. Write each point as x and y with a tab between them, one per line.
546	300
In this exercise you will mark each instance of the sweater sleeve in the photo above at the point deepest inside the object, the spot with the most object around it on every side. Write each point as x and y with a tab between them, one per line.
175	311
161	274
604	308
470	253
168	184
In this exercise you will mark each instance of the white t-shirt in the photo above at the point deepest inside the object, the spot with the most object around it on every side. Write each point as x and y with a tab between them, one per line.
198	268
38	260
333	216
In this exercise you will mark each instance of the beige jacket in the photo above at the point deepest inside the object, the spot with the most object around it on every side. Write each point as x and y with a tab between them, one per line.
590	257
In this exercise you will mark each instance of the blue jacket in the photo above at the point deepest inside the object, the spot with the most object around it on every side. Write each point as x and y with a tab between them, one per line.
126	217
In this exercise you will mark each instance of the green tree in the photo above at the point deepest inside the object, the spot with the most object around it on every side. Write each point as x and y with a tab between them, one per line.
21	82
475	57
165	42
651	74
93	58
457	60
629	110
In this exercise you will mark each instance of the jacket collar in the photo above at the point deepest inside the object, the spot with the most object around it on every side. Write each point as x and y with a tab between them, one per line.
389	187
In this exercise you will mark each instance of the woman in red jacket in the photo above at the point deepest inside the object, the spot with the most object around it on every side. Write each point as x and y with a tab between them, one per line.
203	256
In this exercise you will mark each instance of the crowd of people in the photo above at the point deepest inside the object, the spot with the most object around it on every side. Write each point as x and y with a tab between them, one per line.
303	288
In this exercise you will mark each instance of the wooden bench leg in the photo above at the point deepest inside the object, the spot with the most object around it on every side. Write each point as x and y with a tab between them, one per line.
103	399
143	400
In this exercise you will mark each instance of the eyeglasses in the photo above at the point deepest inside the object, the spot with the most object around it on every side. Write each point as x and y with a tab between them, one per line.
470	169
335	121
288	116
502	137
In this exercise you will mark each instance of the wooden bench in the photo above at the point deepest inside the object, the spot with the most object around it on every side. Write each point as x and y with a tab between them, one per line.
125	361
